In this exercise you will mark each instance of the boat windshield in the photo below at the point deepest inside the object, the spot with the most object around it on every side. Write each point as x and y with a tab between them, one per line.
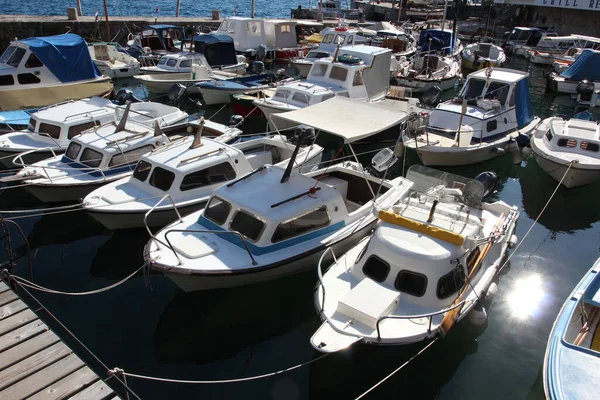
7	53
473	89
217	210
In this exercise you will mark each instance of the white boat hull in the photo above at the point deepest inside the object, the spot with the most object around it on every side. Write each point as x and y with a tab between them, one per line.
419	86
116	73
574	178
63	193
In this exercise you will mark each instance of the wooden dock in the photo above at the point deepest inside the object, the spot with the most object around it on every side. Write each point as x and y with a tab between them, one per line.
35	363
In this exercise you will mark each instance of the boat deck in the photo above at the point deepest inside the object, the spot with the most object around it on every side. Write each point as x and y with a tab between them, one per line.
35	363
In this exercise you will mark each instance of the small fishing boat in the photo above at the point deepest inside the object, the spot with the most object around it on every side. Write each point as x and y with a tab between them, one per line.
176	63
585	67
179	177
492	111
113	62
522	39
153	42
559	145
427	70
401	43
572	359
39	71
357	72
430	259
15	120
220	91
219	51
273	222
98	156
482	55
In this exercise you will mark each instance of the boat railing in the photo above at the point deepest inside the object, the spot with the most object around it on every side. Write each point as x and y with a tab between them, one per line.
170	245
55	105
89	112
417	316
50	137
320	275
18	160
166	196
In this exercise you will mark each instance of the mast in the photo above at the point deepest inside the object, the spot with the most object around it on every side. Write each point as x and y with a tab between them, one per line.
177	9
252	10
79	8
453	39
487	21
444	17
107	24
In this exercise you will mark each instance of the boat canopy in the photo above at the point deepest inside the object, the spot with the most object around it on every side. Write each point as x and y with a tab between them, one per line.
159	29
436	40
66	56
523	106
217	49
352	120
586	66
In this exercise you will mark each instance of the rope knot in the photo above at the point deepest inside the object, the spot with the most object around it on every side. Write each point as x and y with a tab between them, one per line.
115	371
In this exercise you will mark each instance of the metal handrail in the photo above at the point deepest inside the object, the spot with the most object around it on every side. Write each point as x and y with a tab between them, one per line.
320	274
430	315
205	231
50	137
156	205
19	156
83	113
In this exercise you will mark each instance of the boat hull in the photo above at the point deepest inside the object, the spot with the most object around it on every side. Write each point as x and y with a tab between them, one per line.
63	193
574	178
116	73
13	99
419	86
470	65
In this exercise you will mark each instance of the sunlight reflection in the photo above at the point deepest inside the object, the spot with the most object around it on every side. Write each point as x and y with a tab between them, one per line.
526	296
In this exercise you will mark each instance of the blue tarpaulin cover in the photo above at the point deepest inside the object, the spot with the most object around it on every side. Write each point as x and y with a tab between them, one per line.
218	49
435	39
212	38
586	66
523	104
66	56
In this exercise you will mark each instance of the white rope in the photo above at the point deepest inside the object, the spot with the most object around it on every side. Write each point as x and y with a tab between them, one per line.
38	210
35	286
399	368
117	371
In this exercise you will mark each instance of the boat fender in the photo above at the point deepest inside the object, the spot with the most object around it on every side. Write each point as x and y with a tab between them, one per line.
585	91
491	292
478	315
526	151
235	121
399	149
513	147
512	242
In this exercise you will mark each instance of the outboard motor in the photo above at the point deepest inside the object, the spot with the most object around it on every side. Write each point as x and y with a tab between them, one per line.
125	95
432	96
584	90
261	52
236	121
383	160
303	134
175	93
489	179
257	67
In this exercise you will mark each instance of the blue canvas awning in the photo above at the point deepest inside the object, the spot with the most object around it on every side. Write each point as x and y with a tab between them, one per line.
436	39
523	106
66	56
210	38
218	49
586	66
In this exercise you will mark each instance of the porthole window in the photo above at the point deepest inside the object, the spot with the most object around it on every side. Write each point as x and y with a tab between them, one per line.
451	283
589	146
411	283
376	269
569	143
549	136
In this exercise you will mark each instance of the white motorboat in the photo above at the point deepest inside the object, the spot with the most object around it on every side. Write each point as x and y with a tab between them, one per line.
219	51
220	91
572	359
522	39
273	222
98	156
482	55
559	145
427	70
358	72
39	71
112	62
430	259
178	63
585	67
178	178
492	110
401	43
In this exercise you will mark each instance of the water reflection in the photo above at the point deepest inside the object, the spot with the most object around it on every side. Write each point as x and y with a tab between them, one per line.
525	298
120	255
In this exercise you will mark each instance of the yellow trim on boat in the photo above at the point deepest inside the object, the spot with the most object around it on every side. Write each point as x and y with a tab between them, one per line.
596	340
429	230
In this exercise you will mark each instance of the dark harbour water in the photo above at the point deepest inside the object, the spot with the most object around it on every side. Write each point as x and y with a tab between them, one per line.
222	334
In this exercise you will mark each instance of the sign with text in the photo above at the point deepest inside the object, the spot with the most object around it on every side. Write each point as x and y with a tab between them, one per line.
592	5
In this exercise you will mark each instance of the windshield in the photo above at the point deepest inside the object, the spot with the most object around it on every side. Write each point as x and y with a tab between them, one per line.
473	89
7	53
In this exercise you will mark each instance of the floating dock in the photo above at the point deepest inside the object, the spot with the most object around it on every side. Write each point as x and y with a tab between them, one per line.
35	363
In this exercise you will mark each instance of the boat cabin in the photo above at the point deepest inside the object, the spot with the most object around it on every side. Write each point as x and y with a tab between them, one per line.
177	62
249	34
340	36
437	40
46	61
218	50
575	136
160	38
520	35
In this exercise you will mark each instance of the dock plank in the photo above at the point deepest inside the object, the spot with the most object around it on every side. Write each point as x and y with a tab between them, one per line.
67	386
25	332
98	390
11	308
16	321
32	364
43	377
27	348
3	287
8	297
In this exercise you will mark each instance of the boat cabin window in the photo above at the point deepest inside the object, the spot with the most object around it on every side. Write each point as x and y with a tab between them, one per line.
161	178
300	98
339	39
589	146
223	26
33	62
130	156
171	62
142	170
350	39
26	79
358	79
185	63
492	125
77	129
311	221
473	88
248	225
217	210
73	150
162	61
209	176
451	283
282	93
549	136
16	57
411	283
91	158
6	80
498	91
376	269
327	38
31	125
254	28
338	73
285	28
52	130
317	69
513	95
570	143
7	53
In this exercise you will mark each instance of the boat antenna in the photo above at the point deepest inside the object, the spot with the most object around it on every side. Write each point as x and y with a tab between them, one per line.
198	136
157	130
463	111
303	133
123	121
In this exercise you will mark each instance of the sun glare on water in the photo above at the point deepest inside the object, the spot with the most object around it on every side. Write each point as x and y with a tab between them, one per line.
526	296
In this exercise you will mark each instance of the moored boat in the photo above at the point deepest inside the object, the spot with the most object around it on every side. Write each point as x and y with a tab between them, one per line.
482	55
113	61
585	67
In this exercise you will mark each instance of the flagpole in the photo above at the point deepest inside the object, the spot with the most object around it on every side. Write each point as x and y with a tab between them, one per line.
177	9
107	24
